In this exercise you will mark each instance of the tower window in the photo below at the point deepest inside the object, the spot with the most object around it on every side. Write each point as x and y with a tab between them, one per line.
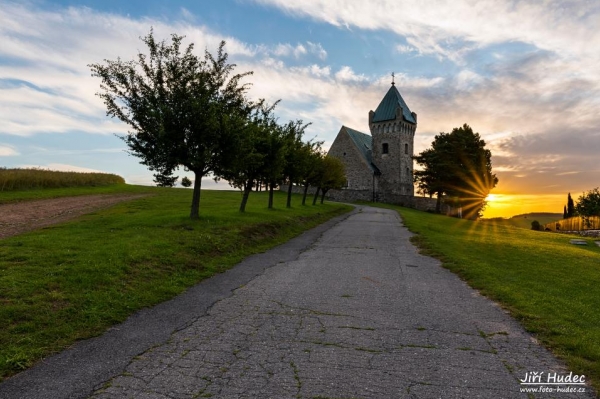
385	148
406	148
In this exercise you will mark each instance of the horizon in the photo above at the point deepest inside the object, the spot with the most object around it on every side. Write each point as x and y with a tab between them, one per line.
531	93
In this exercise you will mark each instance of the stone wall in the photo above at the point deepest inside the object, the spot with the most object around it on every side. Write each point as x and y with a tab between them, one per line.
425	204
358	172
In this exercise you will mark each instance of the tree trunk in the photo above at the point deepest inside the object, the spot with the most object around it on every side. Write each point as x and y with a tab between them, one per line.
438	203
271	195
289	196
323	192
245	196
316	195
305	192
195	212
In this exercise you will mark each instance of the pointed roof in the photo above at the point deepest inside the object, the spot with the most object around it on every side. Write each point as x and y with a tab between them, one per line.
363	143
387	107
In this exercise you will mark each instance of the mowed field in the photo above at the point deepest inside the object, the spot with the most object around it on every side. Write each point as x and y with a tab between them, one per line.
72	281
524	221
551	286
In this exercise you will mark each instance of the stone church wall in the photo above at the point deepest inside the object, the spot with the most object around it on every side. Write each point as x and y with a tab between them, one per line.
358	173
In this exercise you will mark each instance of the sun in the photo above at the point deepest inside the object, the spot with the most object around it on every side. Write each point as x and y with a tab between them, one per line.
491	198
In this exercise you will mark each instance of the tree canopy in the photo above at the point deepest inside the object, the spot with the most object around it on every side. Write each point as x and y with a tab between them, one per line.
180	108
459	167
588	204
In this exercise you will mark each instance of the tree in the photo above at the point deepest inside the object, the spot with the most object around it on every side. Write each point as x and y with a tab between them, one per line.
334	175
245	164
296	155
274	160
565	213
459	166
570	207
535	225
165	181
588	205
186	182
179	107
311	171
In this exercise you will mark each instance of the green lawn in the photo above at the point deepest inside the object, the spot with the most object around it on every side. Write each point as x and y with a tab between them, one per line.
549	285
72	281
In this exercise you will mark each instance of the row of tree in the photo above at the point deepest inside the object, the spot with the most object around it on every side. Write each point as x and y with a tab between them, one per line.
588	204
458	168
193	112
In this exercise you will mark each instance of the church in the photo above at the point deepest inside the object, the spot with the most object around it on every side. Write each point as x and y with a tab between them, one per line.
379	167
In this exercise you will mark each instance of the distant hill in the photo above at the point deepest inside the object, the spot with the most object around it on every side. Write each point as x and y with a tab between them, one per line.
524	221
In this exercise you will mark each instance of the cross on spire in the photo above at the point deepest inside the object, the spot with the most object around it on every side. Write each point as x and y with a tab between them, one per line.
393	79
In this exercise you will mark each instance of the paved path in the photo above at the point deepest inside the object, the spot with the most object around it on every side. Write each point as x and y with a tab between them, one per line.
360	314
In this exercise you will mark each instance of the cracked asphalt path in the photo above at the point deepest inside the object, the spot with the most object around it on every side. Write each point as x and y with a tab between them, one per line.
359	314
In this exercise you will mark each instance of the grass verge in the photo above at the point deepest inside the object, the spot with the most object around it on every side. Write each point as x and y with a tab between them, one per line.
549	285
71	281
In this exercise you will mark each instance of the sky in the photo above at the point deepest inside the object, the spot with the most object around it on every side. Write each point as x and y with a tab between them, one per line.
523	74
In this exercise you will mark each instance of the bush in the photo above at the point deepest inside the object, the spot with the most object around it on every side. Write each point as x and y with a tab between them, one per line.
535	225
185	182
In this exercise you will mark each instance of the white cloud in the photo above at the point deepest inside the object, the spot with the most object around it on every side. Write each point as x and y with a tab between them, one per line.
7	151
346	74
50	51
317	49
404	49
436	26
298	51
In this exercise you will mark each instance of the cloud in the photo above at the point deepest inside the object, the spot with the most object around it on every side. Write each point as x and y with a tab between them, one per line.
7	151
44	64
446	29
346	74
536	107
298	51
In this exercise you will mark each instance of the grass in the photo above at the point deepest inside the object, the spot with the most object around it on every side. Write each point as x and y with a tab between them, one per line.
549	285
524	221
47	193
69	282
21	179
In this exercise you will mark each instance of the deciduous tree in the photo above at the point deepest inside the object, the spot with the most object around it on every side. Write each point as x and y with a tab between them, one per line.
178	106
588	204
459	166
334	175
296	155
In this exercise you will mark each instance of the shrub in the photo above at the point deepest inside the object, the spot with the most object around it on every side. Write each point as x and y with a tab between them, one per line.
535	225
185	182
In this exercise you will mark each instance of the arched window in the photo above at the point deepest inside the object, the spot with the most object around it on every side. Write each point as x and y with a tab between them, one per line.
385	148
406	148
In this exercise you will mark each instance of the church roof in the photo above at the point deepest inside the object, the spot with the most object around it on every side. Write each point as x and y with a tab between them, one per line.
387	107
363	143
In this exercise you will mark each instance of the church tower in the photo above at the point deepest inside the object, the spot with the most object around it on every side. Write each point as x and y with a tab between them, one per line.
393	128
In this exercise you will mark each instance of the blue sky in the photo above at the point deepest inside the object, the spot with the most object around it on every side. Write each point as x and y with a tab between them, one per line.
523	74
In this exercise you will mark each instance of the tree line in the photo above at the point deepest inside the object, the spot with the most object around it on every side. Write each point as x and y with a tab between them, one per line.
193	112
588	204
